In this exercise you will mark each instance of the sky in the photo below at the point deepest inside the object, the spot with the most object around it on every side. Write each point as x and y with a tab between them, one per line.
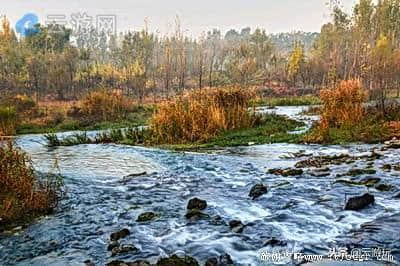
195	16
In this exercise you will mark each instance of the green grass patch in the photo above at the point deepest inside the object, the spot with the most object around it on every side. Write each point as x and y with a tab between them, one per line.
139	117
371	130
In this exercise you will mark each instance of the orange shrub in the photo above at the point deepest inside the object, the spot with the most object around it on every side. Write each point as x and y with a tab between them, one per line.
394	129
343	105
343	116
201	114
105	105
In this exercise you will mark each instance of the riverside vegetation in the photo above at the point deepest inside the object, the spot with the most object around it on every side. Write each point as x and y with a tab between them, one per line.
25	193
209	117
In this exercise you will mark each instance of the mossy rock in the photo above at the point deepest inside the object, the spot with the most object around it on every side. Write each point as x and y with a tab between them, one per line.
147	216
175	260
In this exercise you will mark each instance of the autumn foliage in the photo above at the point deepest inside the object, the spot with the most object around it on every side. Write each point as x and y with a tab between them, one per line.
342	105
342	111
23	194
202	114
105	105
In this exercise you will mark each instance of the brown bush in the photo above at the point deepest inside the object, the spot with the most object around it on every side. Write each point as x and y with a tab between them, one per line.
394	129
202	114
342	107
8	121
23	195
105	105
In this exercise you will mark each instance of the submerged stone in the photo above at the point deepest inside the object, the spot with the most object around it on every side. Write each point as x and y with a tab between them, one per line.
369	181
236	226
197	204
358	203
274	242
120	234
112	245
146	216
223	260
384	187
286	172
135	175
123	263
196	215
257	191
175	260
89	263
356	172
123	249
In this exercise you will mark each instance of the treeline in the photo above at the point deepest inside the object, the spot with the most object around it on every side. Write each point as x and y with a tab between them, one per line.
362	45
50	61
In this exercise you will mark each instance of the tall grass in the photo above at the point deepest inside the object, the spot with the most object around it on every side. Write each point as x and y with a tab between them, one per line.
24	193
202	114
105	105
344	117
8	121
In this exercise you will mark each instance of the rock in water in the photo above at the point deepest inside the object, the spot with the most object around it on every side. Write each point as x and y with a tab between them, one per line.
135	175
358	203
286	172
274	242
236	226
124	263
223	260
146	216
257	191
174	260
123	249
120	234
112	245
196	215
197	204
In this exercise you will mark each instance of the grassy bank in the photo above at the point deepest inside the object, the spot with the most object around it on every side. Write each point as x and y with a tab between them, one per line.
346	119
138	117
199	119
102	109
272	129
24	193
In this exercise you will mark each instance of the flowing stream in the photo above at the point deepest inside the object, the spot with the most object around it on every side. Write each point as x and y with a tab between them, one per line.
306	211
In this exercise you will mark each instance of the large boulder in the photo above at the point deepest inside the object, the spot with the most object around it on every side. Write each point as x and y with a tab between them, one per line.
358	203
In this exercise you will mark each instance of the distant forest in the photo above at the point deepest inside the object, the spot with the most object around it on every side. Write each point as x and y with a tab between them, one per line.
49	62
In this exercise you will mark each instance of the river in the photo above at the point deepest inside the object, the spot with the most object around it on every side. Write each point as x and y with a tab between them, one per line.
306	212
